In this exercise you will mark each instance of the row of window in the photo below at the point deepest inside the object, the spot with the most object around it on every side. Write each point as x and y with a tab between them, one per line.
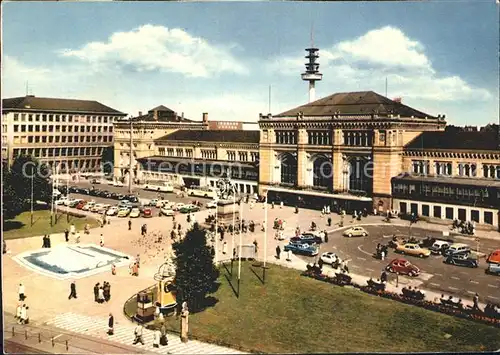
179	152
57	152
319	137
61	139
446	169
357	138
449	212
61	128
462	193
286	137
208	154
242	156
29	117
79	164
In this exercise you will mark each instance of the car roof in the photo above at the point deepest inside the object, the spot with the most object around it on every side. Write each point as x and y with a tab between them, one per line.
399	260
441	242
458	245
412	244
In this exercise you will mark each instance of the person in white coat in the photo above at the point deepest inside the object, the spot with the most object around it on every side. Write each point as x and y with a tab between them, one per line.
18	311
101	242
24	315
224	248
289	255
156	338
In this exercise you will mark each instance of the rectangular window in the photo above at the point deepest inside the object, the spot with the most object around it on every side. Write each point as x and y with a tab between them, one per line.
414	209
437	211
16	117
425	210
402	207
449	213
16	128
474	215
461	214
488	217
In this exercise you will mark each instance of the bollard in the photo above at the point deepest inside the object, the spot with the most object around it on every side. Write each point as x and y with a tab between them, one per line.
13	331
52	341
26	334
67	345
39	338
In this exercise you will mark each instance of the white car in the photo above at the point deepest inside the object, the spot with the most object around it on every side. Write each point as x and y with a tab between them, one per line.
118	183
88	206
69	201
61	201
161	203
112	211
178	206
56	193
211	204
167	212
329	258
135	212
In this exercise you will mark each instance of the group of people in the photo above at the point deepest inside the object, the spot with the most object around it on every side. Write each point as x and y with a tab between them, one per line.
159	335
464	227
102	293
22	313
381	251
46	241
412	293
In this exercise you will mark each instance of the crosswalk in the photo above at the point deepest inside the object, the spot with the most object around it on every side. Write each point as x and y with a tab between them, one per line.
124	334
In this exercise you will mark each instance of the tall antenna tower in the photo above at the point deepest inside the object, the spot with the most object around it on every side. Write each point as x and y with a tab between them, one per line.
312	73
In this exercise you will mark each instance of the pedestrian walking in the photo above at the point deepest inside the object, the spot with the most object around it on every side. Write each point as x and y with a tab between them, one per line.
96	292
278	251
326	236
107	291
24	315
272	205
72	293
111	324
18	311
224	247
66	234
234	253
156	338
129	225
329	221
72	229
113	269
77	237
21	291
100	295
163	338
101	242
383	276
296	209
475	300
289	255
49	245
382	254
138	334
4	247
281	204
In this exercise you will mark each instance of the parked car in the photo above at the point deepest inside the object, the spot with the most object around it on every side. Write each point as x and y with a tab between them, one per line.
62	200
135	212
153	202
355	232
493	269
403	266
74	203
103	209
167	212
494	257
189	208
306	238
113	210
123	212
439	247
457	248
113	195
81	204
147	212
88	206
120	196
329	258
211	204
412	249
84	191
96	207
462	259
178	206
94	192
132	198
304	249
160	203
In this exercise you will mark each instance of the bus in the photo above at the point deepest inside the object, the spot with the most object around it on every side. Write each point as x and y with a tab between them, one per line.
208	192
159	186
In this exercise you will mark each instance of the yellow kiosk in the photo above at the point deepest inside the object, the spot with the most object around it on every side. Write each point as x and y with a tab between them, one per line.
166	290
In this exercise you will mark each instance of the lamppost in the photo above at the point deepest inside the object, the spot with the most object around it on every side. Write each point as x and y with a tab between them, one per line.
131	153
32	175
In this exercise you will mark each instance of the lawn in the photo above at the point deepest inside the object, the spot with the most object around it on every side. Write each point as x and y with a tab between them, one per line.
20	227
295	314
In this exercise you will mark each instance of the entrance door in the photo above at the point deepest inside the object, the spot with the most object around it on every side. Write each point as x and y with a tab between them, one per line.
402	207
461	214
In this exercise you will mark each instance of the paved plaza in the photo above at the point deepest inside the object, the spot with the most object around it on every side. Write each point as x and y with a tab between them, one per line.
48	297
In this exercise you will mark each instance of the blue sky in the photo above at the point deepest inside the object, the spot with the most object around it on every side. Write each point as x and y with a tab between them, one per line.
220	58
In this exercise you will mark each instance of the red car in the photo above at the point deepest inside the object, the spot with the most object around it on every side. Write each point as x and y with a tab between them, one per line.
494	257
147	212
403	266
80	205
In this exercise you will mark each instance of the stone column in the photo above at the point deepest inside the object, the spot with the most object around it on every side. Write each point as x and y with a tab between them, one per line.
338	141
301	157
184	323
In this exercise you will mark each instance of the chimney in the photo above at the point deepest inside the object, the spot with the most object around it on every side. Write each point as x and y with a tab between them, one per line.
182	115
140	113
155	115
205	117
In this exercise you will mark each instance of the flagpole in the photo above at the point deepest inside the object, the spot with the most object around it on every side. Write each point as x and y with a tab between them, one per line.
32	174
239	247
265	230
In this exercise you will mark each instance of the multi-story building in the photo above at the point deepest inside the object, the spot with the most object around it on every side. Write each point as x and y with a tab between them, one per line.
449	175
201	157
339	150
157	123
59	132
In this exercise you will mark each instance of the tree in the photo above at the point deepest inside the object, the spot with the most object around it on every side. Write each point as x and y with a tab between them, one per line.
17	182
196	275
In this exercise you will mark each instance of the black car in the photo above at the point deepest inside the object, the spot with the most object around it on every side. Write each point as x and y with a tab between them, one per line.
113	195
120	196
106	194
132	198
74	189
94	192
84	191
462	259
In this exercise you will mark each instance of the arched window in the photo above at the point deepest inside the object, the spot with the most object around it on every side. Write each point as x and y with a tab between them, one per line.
322	169
485	170
467	169
288	169
498	171
492	171
361	175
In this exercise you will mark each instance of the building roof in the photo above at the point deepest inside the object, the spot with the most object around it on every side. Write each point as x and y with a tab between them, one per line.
33	103
355	103
453	180
216	136
163	114
456	140
161	108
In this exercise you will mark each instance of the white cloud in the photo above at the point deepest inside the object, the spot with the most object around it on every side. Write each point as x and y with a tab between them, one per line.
364	62
151	48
